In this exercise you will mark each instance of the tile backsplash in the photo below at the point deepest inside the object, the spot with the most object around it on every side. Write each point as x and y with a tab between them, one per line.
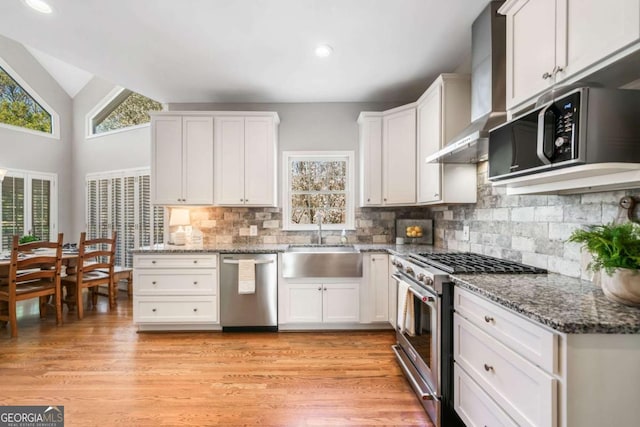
532	229
231	225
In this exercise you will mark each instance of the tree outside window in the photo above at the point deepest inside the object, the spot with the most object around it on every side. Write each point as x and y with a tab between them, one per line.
125	110
18	108
318	183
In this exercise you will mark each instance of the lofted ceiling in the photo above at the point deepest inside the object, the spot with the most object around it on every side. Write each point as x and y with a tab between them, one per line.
252	50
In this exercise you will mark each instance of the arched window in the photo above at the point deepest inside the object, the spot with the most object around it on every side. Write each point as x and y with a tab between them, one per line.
21	108
120	110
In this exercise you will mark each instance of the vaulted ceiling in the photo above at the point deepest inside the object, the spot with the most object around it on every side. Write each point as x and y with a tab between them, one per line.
253	50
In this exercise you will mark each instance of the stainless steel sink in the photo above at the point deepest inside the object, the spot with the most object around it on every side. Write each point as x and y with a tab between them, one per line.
321	261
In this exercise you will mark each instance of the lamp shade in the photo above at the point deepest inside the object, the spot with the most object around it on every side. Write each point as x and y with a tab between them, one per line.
179	217
3	172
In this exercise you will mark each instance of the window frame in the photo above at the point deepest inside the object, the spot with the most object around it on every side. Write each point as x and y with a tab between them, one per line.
287	158
55	118
28	177
111	101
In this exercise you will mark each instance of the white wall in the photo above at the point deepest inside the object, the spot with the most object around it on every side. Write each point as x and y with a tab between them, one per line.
22	150
120	150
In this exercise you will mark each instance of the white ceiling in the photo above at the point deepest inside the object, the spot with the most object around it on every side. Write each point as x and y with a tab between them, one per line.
253	50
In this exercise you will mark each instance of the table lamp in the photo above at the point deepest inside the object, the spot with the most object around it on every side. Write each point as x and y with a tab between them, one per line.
3	172
179	217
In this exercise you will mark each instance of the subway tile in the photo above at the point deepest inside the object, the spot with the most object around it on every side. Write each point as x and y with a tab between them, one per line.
548	213
522	214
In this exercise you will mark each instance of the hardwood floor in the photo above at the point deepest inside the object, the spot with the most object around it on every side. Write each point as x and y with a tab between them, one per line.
105	373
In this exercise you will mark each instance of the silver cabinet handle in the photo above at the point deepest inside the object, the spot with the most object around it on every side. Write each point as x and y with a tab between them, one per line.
489	319
557	70
488	368
423	392
547	75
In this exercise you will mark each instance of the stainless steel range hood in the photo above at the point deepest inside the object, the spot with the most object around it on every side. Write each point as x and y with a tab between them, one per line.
488	90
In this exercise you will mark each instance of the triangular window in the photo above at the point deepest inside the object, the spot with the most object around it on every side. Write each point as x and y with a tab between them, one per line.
124	110
19	108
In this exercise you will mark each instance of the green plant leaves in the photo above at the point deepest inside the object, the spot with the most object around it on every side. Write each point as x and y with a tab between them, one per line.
611	245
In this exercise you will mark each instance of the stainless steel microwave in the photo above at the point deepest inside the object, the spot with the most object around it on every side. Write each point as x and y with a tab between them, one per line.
586	125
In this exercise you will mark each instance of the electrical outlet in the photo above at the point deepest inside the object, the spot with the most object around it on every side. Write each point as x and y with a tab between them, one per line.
253	230
465	233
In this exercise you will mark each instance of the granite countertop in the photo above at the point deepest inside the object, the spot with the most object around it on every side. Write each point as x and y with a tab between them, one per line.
259	248
566	304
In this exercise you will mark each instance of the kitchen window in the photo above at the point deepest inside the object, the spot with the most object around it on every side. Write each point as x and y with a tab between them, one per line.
29	206
318	182
121	109
21	108
121	201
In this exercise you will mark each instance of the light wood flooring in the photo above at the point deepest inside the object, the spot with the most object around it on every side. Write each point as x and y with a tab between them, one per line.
104	373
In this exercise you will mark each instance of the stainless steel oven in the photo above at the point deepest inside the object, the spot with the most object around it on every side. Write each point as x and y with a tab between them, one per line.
419	332
424	327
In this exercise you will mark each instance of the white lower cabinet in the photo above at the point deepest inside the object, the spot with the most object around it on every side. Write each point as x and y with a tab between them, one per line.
474	406
174	292
509	370
320	303
375	289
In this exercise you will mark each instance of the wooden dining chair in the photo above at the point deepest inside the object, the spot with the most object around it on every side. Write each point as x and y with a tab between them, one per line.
34	272
94	269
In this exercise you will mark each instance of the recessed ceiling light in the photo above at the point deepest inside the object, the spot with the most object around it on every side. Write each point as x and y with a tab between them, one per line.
39	5
323	50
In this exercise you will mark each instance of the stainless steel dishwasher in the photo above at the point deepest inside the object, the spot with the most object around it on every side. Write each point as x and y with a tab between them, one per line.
256	311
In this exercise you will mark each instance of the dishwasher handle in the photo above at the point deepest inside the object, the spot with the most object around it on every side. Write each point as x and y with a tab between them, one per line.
257	261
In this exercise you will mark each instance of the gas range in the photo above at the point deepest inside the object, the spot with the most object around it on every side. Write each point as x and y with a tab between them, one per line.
472	263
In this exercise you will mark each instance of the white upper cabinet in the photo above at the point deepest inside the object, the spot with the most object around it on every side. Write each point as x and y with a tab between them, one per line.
370	159
551	41
399	156
443	111
245	166
182	159
388	157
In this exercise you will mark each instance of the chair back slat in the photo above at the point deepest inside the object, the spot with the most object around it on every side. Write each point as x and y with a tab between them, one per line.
25	267
91	259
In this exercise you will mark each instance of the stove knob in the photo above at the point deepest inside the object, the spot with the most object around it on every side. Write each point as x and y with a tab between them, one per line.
428	281
421	277
561	140
408	270
399	265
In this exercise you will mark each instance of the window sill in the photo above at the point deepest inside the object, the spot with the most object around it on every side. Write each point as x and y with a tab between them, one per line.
116	131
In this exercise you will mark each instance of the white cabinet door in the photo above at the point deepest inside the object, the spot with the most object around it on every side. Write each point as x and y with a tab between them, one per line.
393	295
197	137
303	303
429	141
379	286
399	158
167	160
229	160
370	160
531	49
596	29
259	161
341	302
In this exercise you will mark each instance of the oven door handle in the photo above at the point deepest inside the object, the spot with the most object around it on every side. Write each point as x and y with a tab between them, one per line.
424	298
423	390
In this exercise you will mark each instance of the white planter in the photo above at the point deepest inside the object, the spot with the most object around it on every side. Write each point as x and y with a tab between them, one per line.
622	286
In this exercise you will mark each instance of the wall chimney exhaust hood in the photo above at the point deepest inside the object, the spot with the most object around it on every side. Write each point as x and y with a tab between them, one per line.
488	90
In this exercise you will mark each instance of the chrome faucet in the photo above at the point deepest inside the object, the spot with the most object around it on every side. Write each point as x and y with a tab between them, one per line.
319	217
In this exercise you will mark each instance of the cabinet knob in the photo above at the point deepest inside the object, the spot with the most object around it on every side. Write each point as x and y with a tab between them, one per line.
384	199
436	195
373	260
319	288
195	283
489	319
557	70
195	309
242	200
368	200
153	283
153	309
547	75
488	368
195	261
153	262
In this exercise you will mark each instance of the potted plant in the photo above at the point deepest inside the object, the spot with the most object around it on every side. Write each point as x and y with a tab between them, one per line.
615	249
27	238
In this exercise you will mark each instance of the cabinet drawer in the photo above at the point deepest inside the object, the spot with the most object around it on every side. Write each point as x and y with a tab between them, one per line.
474	406
535	343
175	261
175	282
175	309
524	391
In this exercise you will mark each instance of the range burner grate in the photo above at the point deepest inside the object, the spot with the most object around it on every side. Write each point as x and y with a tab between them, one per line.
467	262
